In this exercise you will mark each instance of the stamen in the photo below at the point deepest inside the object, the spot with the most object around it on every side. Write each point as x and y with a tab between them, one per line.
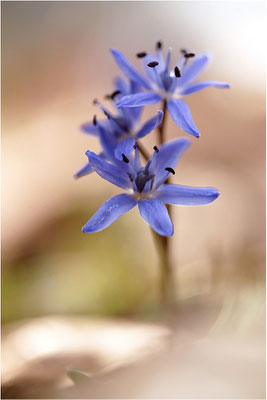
152	64
130	176
112	95
158	45
189	55
183	51
95	101
125	159
94	120
136	145
169	169
177	72
115	93
156	149
106	114
142	54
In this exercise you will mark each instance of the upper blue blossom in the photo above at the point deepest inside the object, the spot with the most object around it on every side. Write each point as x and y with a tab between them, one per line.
145	188
163	83
119	131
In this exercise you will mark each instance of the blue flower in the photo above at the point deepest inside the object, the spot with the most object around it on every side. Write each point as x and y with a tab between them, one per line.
118	132
168	85
145	188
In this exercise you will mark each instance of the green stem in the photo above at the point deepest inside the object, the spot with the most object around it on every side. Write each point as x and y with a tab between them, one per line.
161	127
163	242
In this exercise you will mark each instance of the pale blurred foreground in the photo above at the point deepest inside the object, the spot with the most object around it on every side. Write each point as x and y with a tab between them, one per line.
201	349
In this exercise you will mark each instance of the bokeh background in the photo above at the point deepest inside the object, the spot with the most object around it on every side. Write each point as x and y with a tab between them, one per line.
55	61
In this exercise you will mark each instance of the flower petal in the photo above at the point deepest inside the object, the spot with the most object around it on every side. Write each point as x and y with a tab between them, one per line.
85	170
153	73
139	99
112	173
126	147
186	195
168	156
111	210
121	85
128	69
108	142
156	215
190	72
195	87
150	125
89	127
181	115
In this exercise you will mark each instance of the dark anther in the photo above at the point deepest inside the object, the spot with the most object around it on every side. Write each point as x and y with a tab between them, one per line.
189	55
152	64
130	176
142	54
125	159
156	148
183	51
95	101
114	94
94	120
107	114
177	72
169	169
158	45
136	145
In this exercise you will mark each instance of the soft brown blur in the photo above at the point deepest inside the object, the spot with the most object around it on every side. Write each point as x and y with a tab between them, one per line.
55	61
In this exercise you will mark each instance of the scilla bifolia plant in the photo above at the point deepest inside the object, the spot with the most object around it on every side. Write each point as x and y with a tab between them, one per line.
147	185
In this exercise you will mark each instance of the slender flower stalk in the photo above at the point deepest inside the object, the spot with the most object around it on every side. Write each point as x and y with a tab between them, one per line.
161	127
166	279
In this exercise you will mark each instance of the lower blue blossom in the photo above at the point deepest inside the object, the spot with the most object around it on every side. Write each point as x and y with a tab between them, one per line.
145	188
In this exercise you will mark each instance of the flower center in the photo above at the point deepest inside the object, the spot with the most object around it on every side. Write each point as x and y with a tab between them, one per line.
142	178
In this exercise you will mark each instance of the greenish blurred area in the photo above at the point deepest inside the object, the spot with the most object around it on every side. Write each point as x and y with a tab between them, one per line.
61	270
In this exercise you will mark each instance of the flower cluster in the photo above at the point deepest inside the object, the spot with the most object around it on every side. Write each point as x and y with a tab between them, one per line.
120	133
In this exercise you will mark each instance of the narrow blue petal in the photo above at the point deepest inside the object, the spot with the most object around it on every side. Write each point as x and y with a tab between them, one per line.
186	195
197	65
156	215
87	169
151	124
195	87
139	99
133	112
112	173
121	85
89	127
168	156
153	73
108	142
126	146
128	69
111	210
181	115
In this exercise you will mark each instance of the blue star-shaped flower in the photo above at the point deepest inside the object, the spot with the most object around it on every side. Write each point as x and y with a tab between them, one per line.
162	83
119	132
146	188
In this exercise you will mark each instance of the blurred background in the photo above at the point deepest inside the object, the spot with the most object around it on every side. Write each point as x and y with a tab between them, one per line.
60	283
